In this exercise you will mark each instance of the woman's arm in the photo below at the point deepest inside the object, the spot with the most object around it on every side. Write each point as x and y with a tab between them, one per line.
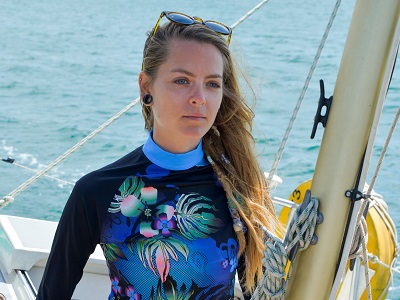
75	239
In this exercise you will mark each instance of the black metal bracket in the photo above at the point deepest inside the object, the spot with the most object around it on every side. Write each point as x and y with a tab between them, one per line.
323	102
8	160
356	195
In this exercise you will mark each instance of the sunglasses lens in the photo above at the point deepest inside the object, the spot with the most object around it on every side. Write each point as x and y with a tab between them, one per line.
180	18
217	27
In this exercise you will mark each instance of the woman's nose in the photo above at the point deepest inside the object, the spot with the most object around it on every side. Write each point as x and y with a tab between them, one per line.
198	98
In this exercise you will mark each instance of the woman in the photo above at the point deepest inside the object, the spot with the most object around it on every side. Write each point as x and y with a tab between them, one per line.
179	216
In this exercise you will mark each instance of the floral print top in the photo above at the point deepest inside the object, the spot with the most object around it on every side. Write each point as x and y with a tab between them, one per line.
163	223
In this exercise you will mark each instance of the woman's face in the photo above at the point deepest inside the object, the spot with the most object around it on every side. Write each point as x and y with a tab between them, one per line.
187	94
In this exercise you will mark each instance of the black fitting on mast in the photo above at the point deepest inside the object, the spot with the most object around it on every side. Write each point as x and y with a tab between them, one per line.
8	160
323	102
356	195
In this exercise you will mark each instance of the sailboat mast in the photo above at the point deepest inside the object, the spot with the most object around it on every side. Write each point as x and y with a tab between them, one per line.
365	61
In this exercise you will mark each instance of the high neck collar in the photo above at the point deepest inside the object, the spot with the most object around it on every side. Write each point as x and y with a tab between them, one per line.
171	161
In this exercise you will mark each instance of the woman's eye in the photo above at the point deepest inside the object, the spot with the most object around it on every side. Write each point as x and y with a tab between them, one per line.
181	81
214	84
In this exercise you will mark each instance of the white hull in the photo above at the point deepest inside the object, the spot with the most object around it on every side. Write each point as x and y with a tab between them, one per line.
25	245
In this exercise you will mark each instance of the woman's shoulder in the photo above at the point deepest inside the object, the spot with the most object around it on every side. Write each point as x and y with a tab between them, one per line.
134	157
113	172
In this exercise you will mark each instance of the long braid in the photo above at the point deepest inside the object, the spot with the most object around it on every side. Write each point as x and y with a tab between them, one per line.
238	202
219	163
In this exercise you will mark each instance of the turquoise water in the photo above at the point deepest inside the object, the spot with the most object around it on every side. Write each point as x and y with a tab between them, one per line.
65	68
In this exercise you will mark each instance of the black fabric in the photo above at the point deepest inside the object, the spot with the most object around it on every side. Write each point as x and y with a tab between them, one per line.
88	220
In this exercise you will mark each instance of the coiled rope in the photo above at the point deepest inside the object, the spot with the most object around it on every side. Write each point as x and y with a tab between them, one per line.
272	285
300	232
359	245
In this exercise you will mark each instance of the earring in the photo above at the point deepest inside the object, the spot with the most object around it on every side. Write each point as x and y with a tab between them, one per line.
147	99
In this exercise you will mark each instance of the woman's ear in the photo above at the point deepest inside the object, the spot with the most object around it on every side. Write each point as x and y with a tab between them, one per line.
144	84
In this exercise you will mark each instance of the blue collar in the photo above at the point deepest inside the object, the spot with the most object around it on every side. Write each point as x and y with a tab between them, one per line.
171	161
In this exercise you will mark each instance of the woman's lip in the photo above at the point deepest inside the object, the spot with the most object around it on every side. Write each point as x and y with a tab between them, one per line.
195	117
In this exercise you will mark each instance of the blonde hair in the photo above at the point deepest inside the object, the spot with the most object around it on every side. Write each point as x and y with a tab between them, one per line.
229	144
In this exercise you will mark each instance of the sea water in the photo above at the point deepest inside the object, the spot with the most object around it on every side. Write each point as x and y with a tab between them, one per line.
67	67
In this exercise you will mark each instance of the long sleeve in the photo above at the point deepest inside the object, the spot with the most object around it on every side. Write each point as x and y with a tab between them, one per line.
75	239
142	215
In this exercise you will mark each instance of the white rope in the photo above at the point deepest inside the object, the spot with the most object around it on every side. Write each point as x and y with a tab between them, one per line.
11	195
275	260
300	231
397	270
58	160
45	175
375	260
377	201
361	233
366	268
360	239
282	146
359	245
5	201
257	7
302	226
383	152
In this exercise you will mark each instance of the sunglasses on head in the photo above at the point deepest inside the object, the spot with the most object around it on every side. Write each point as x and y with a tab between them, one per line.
182	19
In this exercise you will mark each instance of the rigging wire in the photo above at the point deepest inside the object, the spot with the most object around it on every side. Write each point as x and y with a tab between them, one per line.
282	146
249	13
9	198
383	152
12	161
58	160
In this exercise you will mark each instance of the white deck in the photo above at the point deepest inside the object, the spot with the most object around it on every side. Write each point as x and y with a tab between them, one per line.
26	244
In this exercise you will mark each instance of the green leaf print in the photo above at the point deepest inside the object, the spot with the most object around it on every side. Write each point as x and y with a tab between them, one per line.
171	291
131	186
112	252
195	218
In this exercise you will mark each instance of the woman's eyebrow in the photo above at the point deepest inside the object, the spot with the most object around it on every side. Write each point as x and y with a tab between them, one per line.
180	70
